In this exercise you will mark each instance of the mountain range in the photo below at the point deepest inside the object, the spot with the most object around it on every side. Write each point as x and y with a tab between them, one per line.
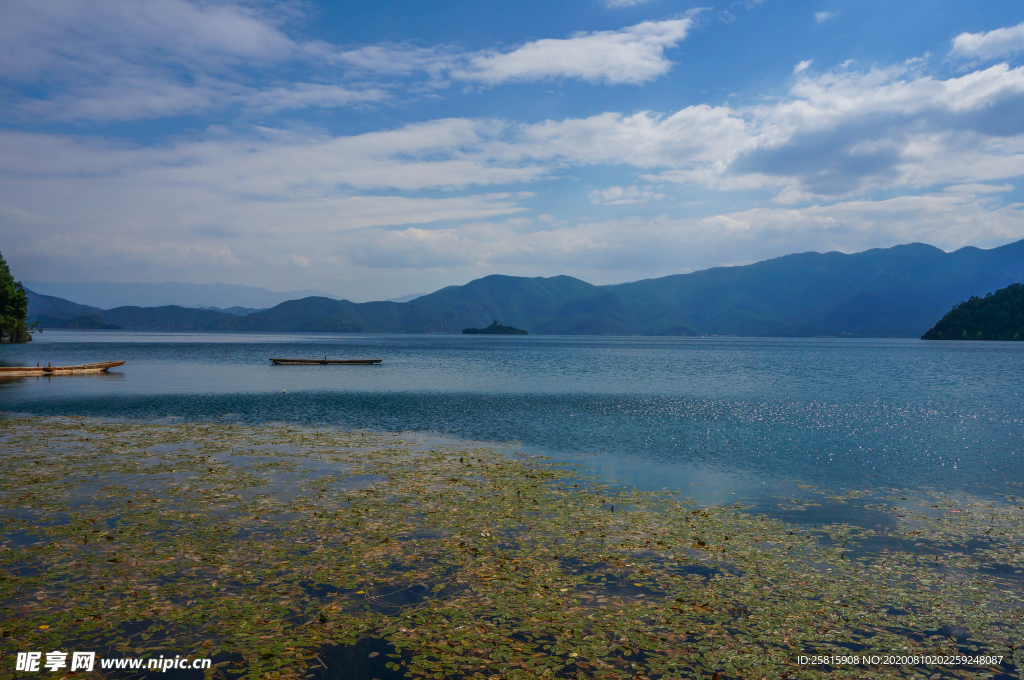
105	294
886	292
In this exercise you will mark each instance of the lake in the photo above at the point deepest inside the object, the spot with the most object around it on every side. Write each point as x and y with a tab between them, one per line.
717	418
798	499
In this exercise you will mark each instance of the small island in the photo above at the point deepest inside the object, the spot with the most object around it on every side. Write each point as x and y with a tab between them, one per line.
997	316
495	329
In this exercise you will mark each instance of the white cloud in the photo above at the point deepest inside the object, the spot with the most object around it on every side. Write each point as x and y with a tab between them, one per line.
305	95
696	136
822	17
845	132
81	38
633	248
136	59
632	55
241	206
624	3
802	66
391	59
445	193
1002	42
836	134
443	154
979	189
104	60
194	211
622	196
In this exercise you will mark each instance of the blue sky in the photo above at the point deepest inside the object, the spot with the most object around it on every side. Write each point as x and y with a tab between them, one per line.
375	149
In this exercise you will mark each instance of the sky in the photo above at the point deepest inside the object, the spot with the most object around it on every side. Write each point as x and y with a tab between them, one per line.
376	149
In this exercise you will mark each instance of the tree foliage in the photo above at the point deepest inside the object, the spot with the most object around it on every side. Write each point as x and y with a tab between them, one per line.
13	307
997	316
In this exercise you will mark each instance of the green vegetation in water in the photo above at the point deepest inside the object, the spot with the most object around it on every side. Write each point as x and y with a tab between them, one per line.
494	329
262	547
997	316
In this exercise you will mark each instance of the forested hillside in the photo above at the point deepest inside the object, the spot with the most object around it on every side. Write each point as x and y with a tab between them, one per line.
996	316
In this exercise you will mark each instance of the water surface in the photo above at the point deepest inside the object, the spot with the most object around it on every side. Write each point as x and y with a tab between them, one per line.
743	416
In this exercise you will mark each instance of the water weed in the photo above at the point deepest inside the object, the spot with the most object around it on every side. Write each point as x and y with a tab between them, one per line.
271	548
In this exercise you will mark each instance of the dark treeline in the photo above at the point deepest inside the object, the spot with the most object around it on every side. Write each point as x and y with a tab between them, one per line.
13	307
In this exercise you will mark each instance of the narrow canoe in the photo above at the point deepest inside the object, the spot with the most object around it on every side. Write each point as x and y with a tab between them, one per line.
325	362
23	371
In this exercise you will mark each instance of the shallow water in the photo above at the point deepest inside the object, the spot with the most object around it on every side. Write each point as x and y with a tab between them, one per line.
746	418
263	546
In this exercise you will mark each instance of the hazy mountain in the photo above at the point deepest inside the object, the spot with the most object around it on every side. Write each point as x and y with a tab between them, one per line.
54	307
885	292
53	312
514	300
237	311
165	318
106	295
315	314
888	292
88	321
406	298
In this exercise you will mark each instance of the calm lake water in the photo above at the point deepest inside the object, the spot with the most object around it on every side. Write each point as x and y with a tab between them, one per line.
744	416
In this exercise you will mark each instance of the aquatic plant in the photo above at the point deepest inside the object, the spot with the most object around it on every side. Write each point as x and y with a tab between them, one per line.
270	549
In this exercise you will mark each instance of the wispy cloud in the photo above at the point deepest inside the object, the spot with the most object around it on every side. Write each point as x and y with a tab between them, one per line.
834	135
624	249
456	192
65	39
622	195
624	3
109	60
837	134
822	17
632	55
236	206
138	59
1002	42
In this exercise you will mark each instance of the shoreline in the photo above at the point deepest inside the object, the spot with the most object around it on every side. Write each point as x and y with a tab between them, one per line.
269	549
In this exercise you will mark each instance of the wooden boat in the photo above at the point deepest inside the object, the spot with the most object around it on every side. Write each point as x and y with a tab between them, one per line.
30	371
325	361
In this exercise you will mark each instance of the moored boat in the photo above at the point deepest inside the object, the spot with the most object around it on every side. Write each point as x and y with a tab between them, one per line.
325	361
30	371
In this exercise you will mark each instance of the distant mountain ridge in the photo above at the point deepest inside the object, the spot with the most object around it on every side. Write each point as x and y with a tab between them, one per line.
885	292
236	310
54	306
107	295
